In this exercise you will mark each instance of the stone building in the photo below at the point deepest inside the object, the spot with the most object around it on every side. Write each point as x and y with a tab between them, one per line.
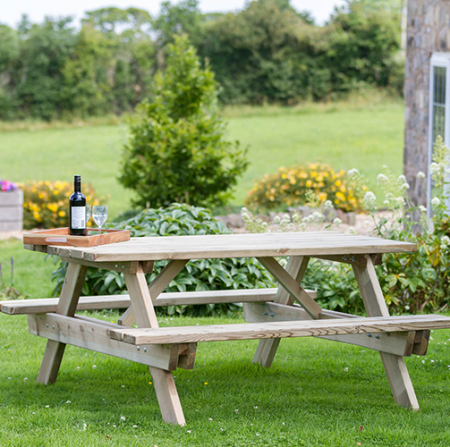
427	88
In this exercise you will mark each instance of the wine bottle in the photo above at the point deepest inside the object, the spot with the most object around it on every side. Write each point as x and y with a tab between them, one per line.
77	209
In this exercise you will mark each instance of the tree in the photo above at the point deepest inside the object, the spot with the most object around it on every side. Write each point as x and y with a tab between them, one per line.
38	80
177	150
182	18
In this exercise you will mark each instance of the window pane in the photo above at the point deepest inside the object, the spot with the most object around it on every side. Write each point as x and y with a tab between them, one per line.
439	78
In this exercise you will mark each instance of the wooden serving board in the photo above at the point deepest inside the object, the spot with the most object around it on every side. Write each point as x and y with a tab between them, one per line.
61	236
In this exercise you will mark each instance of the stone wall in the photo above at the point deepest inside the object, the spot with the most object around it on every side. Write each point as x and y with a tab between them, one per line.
428	31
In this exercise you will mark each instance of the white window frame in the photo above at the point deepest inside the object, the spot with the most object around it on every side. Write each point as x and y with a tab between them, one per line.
437	60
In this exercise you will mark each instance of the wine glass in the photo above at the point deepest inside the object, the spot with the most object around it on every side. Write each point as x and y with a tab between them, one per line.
99	213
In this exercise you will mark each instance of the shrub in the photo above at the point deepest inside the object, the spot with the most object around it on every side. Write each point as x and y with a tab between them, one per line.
411	282
177	151
289	187
203	274
46	204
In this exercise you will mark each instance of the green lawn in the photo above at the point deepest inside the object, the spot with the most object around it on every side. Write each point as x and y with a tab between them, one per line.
364	137
317	393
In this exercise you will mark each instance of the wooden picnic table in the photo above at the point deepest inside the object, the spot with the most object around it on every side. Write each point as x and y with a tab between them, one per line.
272	314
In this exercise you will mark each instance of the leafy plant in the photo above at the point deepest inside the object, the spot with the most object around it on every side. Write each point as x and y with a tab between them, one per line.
177	150
412	282
202	274
46	203
290	186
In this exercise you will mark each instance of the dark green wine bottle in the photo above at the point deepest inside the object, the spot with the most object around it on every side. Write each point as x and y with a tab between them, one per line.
77	209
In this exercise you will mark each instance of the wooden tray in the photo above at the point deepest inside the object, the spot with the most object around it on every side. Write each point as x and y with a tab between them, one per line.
61	236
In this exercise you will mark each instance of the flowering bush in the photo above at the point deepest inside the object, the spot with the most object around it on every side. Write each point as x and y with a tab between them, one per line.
290	185
411	282
46	204
6	186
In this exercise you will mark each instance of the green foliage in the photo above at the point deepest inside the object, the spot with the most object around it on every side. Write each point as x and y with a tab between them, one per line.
37	79
177	150
184	17
267	52
412	282
203	274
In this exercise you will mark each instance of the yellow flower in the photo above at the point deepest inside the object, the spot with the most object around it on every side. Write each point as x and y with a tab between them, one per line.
53	207
62	213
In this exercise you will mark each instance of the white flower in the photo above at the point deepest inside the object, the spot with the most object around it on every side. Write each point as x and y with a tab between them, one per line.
122	418
435	201
405	186
421	175
402	178
445	240
422	209
382	178
317	217
337	221
346	369
352	231
434	168
328	204
353	173
370	200
94	366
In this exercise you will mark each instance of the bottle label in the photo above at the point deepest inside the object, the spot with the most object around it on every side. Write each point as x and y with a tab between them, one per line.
78	218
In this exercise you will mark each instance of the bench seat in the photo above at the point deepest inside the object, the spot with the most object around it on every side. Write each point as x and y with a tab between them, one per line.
46	305
283	329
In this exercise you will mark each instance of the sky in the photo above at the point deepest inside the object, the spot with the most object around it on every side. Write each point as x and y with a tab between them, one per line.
12	10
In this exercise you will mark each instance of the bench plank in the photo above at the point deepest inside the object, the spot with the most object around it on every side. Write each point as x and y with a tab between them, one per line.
398	343
46	305
286	329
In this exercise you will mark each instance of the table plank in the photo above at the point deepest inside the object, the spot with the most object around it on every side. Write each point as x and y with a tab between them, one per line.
232	245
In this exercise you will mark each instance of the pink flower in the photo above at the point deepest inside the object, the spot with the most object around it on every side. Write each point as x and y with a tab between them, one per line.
6	185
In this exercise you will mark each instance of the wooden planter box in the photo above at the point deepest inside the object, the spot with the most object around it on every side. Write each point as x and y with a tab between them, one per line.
11	210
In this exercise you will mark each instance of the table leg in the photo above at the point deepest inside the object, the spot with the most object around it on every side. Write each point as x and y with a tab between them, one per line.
265	353
67	304
166	392
156	286
394	365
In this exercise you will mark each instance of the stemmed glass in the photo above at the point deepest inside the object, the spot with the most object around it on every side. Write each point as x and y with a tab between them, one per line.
99	213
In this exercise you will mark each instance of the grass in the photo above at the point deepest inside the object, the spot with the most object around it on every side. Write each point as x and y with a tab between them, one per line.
307	398
346	135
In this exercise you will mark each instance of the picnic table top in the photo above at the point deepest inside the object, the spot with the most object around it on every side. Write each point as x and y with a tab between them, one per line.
320	243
